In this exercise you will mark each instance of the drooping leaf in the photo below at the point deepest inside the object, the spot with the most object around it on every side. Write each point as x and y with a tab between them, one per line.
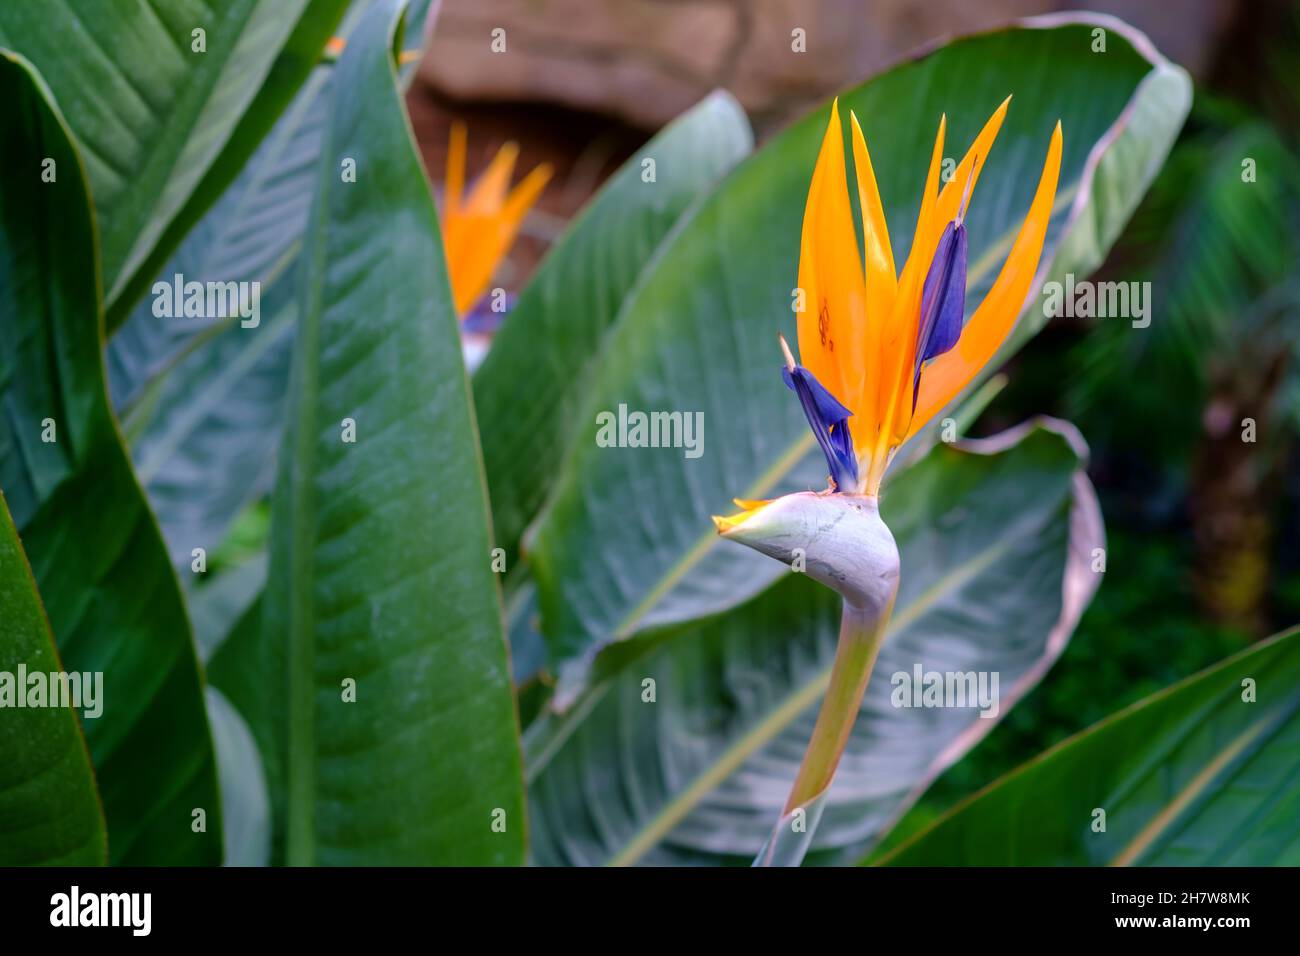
995	549
49	810
99	561
380	580
625	541
203	399
166	99
1202	773
551	342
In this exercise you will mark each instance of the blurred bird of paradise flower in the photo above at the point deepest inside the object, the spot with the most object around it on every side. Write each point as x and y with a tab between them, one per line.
884	352
478	228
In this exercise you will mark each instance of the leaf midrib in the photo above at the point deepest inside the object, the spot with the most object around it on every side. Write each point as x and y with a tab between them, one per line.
301	770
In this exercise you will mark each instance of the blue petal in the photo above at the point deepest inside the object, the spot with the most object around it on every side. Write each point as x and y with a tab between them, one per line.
482	319
828	419
943	301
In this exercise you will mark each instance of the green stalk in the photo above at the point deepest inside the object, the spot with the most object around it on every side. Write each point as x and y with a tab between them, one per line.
862	631
840	541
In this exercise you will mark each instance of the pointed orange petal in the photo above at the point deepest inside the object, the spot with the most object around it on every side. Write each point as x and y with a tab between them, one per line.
471	260
947	207
878	257
899	344
524	195
830	275
881	288
488	194
454	181
988	328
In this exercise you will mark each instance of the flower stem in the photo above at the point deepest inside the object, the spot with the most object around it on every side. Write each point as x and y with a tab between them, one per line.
862	630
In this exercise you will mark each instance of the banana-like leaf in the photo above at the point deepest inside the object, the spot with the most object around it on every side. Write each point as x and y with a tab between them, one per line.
626	542
1202	773
167	99
996	542
552	340
393	715
203	399
49	809
100	564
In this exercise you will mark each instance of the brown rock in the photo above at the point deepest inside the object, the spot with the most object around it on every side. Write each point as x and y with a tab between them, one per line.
645	61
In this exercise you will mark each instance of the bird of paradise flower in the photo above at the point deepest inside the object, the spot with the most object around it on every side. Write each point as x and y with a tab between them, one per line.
478	228
883	352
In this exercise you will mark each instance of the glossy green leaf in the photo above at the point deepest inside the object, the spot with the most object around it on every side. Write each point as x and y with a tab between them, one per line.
551	343
164	126
626	541
1203	773
113	601
203	398
380	566
996	544
49	810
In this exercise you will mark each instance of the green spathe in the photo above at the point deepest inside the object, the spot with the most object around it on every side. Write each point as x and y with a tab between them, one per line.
839	540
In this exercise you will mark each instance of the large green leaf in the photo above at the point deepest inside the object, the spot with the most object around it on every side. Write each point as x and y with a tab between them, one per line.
996	550
164	128
380	556
625	541
551	342
1203	773
203	399
114	604
49	810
